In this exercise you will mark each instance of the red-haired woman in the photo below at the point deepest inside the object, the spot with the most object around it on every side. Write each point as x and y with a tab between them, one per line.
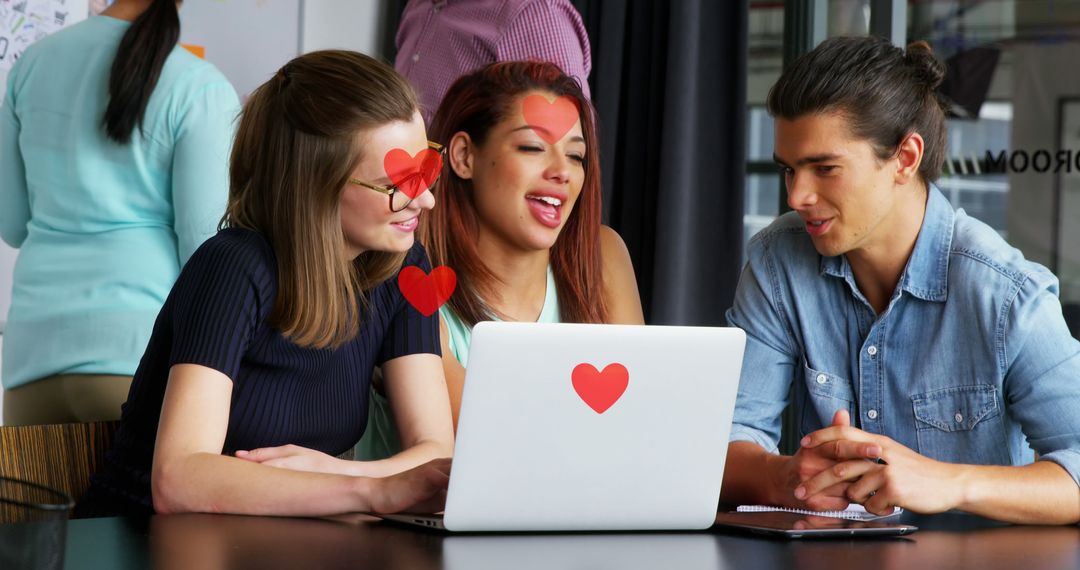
518	218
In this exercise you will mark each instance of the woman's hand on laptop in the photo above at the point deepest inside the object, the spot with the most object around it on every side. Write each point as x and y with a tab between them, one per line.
419	490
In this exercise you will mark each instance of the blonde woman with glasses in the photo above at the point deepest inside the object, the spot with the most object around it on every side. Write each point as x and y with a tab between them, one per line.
258	371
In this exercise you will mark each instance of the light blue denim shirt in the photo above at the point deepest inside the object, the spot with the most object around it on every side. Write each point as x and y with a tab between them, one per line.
971	361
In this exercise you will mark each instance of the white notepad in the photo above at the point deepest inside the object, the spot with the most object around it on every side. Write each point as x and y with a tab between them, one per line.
854	512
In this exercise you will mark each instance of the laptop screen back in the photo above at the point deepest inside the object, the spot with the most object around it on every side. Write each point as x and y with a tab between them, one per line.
593	427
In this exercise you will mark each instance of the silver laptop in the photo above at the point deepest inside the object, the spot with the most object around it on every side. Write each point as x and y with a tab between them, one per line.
573	427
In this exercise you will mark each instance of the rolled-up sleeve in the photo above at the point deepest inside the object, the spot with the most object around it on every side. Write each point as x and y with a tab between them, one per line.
1042	381
770	359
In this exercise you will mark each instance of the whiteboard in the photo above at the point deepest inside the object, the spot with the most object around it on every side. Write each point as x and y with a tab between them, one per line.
23	22
248	40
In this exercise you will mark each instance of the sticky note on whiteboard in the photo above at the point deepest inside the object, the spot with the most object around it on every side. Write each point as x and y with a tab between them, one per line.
199	51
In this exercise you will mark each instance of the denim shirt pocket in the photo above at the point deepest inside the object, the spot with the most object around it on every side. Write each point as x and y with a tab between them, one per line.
827	394
961	424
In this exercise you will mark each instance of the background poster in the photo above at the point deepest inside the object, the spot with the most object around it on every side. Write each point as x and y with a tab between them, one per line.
23	22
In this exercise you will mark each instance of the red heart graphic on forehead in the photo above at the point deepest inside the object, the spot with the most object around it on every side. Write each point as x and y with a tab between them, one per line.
551	120
412	174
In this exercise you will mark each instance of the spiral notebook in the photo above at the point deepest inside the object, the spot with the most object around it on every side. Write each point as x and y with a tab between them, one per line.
853	512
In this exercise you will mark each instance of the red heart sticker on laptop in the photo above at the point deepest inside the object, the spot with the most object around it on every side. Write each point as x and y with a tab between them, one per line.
412	174
550	120
427	292
600	390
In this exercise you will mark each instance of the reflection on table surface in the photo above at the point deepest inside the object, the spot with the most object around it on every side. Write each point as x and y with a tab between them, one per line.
211	542
543	552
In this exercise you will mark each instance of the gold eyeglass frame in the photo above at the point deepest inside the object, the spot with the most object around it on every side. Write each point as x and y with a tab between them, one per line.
392	189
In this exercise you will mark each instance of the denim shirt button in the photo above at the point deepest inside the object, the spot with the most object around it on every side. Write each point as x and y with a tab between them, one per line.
872	414
821	379
959	417
872	350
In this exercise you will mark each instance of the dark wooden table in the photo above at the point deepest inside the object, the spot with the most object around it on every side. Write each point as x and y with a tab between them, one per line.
212	542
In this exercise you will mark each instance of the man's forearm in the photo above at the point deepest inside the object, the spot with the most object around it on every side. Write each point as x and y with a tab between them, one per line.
1040	493
750	475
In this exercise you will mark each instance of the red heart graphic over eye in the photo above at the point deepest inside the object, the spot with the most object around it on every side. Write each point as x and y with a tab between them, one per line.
551	120
413	174
600	390
427	292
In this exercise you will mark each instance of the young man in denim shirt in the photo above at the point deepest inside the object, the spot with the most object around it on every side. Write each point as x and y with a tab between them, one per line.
930	360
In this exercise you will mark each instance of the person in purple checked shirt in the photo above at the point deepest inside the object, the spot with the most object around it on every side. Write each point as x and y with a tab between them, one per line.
441	40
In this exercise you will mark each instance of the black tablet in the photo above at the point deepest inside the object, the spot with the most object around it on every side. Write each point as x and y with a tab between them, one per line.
794	525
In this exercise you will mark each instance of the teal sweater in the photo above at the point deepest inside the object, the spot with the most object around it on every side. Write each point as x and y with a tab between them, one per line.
102	228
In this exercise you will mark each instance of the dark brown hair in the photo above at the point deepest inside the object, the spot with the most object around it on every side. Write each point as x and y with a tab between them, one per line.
299	138
137	65
885	92
474	104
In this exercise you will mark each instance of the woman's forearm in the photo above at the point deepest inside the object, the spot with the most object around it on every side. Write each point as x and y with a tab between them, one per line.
210	483
408	458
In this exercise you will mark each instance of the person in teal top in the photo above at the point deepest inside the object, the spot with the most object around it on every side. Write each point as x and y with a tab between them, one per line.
459	335
381	440
518	220
114	147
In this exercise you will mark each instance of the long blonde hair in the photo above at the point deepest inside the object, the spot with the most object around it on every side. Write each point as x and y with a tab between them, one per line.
298	140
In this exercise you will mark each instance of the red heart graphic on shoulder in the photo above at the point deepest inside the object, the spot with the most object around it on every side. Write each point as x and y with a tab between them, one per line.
412	174
551	120
427	292
600	390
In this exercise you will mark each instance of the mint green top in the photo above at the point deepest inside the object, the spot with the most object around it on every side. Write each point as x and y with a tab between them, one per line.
102	228
381	438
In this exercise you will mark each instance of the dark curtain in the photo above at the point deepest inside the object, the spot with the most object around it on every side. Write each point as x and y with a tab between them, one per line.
391	17
669	86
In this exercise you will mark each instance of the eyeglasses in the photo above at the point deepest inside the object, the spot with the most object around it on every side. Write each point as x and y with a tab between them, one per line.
399	199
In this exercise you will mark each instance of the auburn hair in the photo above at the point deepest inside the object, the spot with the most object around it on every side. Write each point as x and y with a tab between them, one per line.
300	136
474	104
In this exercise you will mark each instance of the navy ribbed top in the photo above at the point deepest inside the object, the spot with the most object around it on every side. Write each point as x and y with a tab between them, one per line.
215	316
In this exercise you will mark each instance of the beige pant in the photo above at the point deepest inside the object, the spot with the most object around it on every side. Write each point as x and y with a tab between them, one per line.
66	398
